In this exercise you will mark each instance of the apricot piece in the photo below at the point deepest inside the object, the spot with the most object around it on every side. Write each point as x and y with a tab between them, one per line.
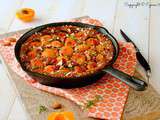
78	58
66	50
82	47
36	63
48	52
25	14
92	41
31	54
61	116
70	42
35	44
45	39
57	44
49	69
79	35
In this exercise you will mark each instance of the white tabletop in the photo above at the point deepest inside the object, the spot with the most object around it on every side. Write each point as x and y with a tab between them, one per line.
139	19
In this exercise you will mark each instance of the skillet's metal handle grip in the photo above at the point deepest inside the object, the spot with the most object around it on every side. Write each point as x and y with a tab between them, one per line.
134	82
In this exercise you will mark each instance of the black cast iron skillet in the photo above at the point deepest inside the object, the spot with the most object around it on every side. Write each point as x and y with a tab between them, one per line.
135	83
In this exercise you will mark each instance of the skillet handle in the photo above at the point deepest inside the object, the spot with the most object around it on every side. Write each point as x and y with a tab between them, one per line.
133	82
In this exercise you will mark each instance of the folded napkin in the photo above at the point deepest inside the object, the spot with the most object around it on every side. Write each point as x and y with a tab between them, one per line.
112	91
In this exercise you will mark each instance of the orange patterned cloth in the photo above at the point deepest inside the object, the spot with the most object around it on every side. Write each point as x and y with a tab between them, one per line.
113	92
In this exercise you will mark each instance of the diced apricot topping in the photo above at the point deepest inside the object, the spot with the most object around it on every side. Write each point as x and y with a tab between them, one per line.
48	52
49	69
66	50
57	44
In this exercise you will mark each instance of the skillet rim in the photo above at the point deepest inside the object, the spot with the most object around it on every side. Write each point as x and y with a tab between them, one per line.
100	29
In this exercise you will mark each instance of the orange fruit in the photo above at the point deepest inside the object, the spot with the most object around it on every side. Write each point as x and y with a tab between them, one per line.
61	116
25	14
66	50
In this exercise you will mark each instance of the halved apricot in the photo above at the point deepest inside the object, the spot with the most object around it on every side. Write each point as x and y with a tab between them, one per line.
57	44
37	63
49	52
25	14
66	50
78	58
35	44
32	54
79	35
61	116
45	39
70	42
